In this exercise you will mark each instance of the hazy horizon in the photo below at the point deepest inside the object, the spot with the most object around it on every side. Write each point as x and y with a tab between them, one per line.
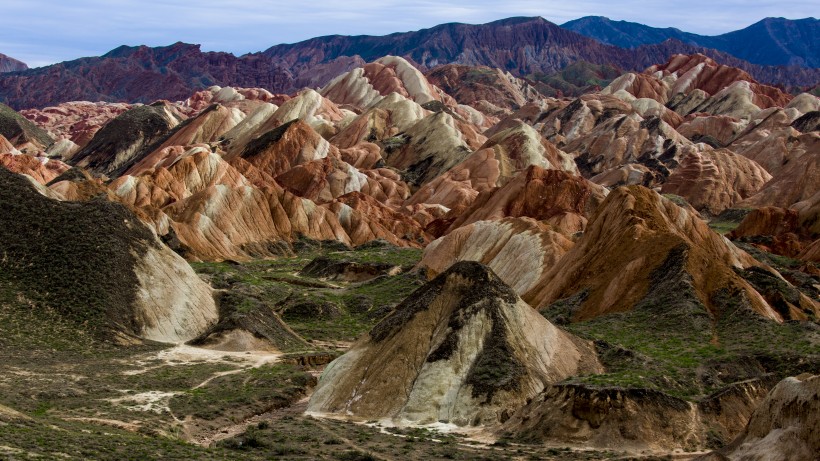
40	32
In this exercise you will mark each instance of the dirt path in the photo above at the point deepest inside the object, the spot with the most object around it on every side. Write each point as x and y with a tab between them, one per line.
347	441
233	430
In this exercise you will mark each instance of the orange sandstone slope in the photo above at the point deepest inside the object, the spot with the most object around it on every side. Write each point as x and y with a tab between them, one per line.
714	180
640	247
555	197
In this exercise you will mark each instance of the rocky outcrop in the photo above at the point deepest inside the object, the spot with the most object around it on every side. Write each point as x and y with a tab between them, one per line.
329	178
42	169
463	349
367	85
514	147
784	426
284	147
791	232
206	128
366	219
795	182
382	121
716	131
248	323
77	121
604	132
431	147
141	288
703	73
223	222
347	271
633	419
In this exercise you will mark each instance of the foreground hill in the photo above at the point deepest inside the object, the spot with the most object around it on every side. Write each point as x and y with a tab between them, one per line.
458	350
102	266
771	41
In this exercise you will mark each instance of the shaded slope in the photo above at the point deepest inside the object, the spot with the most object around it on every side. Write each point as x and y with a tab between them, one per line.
117	145
20	131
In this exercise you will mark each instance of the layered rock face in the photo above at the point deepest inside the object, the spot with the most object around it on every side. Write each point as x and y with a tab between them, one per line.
463	349
791	231
519	250
140	288
41	169
384	131
76	121
551	196
714	180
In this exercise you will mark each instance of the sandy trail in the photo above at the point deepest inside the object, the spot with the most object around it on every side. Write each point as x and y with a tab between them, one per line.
180	355
226	432
183	354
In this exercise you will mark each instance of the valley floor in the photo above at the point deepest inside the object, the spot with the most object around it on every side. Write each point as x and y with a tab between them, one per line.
66	395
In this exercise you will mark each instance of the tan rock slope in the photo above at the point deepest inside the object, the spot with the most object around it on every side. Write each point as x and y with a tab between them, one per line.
463	349
518	250
514	147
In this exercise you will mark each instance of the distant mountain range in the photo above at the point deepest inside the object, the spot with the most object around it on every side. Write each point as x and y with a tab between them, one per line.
771	41
526	47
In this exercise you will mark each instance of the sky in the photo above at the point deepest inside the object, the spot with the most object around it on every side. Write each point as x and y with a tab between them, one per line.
41	32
